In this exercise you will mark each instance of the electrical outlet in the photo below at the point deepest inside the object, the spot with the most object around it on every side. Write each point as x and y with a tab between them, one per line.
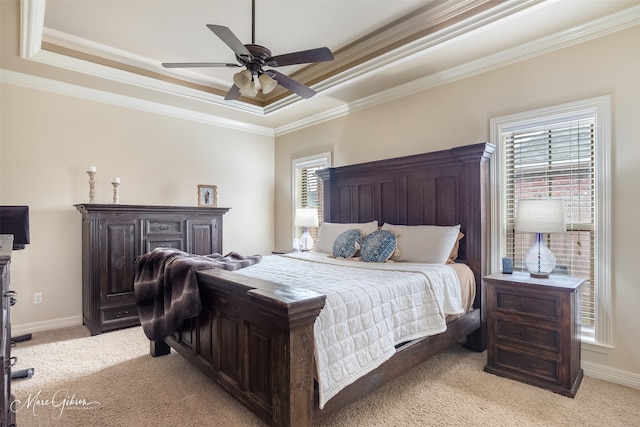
37	298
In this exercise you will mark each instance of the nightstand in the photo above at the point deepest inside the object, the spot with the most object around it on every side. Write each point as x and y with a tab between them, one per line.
533	330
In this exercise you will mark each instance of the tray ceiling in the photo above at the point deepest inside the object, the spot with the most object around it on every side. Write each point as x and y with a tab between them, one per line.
382	49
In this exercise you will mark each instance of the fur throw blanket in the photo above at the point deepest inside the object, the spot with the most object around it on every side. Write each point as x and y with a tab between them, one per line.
166	288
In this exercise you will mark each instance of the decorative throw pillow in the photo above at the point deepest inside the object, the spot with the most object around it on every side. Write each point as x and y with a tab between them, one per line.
330	230
378	246
347	244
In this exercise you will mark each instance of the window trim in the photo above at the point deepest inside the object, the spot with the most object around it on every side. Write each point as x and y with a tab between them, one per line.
600	107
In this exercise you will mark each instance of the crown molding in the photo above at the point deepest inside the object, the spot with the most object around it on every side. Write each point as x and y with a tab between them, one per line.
31	26
54	86
598	28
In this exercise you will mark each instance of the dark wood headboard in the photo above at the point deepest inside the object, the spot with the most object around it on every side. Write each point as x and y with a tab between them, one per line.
446	187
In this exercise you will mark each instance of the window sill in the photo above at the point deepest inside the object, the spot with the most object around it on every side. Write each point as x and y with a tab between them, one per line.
589	344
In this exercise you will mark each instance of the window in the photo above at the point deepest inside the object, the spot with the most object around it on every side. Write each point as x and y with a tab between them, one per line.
560	152
308	187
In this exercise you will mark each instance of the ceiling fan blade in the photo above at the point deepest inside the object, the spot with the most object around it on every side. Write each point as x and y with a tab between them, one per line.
289	83
303	57
227	36
197	64
234	93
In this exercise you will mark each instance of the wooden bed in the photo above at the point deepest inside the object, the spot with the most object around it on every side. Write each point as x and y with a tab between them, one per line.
255	338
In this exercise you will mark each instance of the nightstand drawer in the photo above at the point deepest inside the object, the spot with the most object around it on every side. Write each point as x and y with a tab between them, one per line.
530	365
548	339
548	308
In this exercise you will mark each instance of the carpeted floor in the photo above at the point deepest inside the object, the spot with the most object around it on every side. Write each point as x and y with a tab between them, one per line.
111	380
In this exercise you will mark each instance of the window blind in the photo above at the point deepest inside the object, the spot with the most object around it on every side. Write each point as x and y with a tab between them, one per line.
556	160
309	190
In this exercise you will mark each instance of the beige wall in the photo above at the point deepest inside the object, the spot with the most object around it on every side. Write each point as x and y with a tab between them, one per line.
459	113
49	140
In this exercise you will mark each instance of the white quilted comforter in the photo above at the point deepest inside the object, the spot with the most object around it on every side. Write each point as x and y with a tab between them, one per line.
369	309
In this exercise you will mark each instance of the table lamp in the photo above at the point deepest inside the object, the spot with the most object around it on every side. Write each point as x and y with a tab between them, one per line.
540	216
306	217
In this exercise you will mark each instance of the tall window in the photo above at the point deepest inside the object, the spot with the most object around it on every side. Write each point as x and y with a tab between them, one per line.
308	187
561	152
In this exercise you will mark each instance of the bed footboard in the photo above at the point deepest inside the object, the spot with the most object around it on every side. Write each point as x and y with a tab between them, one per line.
255	339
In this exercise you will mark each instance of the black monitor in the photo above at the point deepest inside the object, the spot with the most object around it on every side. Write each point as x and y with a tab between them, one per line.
15	220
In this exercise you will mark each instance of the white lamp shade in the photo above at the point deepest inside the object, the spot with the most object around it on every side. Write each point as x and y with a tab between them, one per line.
267	83
540	216
249	90
306	217
242	79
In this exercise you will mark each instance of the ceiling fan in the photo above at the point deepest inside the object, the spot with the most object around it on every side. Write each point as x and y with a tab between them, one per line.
254	57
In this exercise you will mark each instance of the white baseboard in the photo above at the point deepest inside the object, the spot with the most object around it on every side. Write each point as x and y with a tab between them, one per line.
611	375
47	325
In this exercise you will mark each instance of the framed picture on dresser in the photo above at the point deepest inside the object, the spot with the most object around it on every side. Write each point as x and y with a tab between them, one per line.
208	195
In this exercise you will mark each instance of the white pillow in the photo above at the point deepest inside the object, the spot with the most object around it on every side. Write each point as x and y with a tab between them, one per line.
329	231
430	244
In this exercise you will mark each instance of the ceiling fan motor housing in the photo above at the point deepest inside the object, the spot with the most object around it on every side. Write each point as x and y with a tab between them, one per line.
260	55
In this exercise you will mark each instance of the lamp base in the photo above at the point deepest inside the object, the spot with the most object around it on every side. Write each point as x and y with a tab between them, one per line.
306	241
539	275
539	260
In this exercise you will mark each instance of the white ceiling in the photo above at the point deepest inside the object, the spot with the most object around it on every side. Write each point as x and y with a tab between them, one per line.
384	49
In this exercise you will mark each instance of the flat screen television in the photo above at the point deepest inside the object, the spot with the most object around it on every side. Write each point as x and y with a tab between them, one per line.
15	220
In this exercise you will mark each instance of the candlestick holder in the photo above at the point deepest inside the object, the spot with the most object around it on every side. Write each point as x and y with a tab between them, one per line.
92	186
116	196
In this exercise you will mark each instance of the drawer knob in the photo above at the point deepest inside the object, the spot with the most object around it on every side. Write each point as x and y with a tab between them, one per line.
122	313
163	227
525	365
524	335
525	307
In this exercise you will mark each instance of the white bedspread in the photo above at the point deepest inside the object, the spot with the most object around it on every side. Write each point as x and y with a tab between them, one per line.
369	309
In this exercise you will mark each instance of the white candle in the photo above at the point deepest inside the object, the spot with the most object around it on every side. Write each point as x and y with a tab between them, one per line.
92	168
116	180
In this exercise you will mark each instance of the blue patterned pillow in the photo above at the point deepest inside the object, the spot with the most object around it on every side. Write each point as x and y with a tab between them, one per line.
347	244
378	246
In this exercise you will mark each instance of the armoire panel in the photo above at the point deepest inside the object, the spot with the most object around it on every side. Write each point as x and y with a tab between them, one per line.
121	250
202	237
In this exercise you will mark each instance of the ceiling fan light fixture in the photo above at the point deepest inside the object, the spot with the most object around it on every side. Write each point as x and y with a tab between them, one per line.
249	90
267	83
253	56
243	79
